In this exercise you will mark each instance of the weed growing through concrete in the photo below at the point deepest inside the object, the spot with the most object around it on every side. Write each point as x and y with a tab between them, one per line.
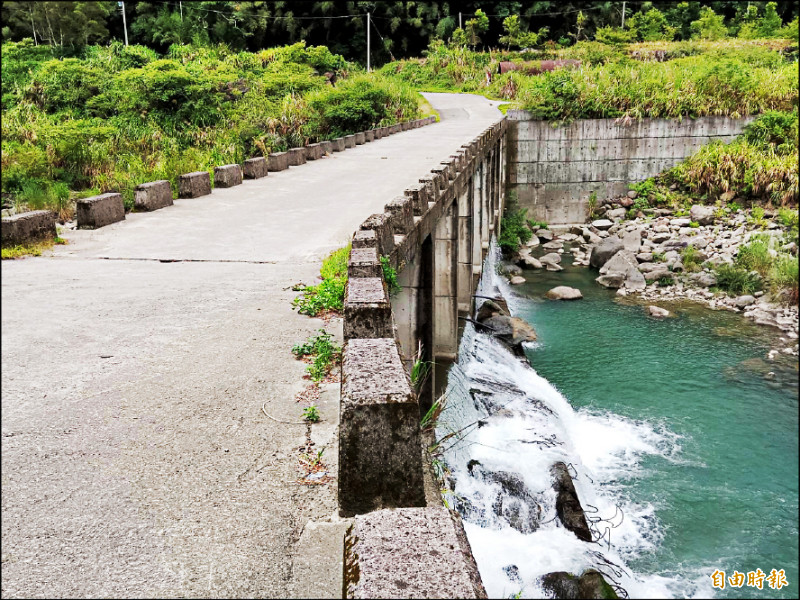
327	296
311	414
390	276
323	353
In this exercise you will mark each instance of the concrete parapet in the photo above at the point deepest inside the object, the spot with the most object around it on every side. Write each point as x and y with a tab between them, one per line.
377	133
28	228
327	147
338	144
360	138
364	262
419	198
227	176
380	457
367	311
194	185
383	231
365	238
431	183
369	135
401	215
278	161
255	168
314	151
349	141
410	553
102	210
152	195
297	157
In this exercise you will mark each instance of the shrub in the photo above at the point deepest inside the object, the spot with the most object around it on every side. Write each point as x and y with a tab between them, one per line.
329	294
736	280
514	231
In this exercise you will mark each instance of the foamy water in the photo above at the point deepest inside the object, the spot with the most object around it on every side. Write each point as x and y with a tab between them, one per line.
515	424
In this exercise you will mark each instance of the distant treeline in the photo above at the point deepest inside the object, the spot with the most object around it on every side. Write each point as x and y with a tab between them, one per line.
398	30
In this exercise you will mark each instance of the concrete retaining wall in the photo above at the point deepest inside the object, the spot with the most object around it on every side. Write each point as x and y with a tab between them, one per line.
554	170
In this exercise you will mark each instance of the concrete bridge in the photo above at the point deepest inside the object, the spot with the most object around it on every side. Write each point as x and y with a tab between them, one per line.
150	435
137	459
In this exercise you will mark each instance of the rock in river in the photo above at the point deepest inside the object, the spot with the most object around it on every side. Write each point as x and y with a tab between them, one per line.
605	250
563	292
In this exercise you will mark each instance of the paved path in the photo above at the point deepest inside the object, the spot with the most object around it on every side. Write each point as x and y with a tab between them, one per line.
136	459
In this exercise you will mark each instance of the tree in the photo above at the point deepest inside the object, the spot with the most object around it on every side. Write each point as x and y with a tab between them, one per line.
651	26
580	25
681	17
475	27
710	25
614	35
517	38
57	23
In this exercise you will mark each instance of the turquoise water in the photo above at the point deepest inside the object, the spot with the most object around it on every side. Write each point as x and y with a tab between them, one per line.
725	494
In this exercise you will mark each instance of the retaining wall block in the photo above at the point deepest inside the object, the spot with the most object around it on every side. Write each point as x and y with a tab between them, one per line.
338	144
102	210
377	133
227	176
28	228
369	135
349	141
365	238
410	553
194	185
327	147
364	262
367	311
401	215
360	138
278	161
297	157
383	231
152	195
419	198
255	168
380	461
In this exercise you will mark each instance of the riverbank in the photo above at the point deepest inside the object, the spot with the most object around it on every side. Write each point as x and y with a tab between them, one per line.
736	260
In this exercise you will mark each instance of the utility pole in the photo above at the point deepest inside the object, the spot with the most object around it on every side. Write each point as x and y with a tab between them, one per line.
623	15
124	22
459	19
367	42
180	6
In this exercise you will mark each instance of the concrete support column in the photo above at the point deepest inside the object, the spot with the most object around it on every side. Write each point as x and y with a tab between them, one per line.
445	325
464	269
406	310
477	210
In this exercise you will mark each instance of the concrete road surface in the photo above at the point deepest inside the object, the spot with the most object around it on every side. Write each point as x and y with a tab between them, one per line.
136	458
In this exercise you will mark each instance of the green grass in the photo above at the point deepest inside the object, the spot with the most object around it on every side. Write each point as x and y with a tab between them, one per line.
390	276
327	296
21	251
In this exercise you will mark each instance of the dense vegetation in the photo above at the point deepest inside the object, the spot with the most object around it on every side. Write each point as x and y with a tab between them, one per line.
399	28
112	117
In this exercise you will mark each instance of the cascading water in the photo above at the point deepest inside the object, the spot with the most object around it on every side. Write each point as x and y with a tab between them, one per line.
500	432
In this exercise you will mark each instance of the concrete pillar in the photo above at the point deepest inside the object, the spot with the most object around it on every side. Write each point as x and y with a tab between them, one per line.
477	203
445	325
464	269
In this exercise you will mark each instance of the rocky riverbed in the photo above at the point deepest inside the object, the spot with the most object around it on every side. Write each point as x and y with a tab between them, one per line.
644	257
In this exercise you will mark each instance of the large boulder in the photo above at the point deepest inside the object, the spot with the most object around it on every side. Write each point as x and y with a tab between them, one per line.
612	281
604	250
591	584
568	507
490	308
616	213
563	292
544	234
551	258
632	240
624	263
602	224
702	214
512	331
657	311
704	279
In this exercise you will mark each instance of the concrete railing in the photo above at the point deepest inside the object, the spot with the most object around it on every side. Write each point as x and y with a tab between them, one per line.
380	441
104	209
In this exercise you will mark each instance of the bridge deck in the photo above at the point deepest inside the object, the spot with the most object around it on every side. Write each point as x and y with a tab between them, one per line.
136	459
